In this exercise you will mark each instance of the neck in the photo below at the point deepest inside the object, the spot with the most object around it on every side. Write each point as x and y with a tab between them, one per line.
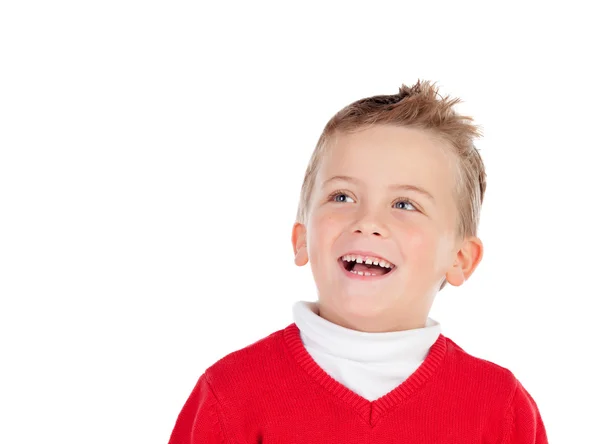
367	324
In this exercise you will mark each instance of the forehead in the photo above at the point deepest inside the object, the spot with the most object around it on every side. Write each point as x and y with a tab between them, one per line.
384	155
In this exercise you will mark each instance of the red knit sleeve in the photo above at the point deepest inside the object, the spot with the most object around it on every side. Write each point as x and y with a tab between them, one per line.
523	423
199	422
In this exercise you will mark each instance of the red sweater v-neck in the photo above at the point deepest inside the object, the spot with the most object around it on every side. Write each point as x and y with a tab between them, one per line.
272	391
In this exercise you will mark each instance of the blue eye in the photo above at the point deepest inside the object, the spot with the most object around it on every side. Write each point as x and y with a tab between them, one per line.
403	201
340	197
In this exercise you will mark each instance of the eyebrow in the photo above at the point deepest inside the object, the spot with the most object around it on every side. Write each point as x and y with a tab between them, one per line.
392	187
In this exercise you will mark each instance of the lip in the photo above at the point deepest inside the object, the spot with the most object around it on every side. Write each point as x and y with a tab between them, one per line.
368	253
363	278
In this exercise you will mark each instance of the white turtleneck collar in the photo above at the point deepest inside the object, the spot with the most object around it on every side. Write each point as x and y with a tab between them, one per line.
369	364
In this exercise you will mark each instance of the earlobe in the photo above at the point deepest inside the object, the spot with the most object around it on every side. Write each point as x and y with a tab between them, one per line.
455	276
299	244
301	257
467	260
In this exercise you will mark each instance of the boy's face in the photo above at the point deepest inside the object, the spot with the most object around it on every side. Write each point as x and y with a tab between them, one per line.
360	212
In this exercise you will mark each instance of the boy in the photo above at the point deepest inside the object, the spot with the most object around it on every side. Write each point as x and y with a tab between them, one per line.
388	215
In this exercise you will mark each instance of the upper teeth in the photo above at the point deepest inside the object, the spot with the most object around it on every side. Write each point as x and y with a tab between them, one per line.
367	260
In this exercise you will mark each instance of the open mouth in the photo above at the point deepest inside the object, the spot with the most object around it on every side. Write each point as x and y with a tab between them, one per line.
365	265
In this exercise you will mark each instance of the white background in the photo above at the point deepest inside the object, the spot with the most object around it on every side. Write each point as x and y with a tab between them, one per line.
151	161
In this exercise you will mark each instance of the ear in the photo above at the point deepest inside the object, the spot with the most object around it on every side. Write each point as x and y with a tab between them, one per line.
299	244
467	259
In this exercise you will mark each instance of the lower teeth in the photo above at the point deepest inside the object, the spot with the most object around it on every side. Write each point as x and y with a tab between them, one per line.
363	273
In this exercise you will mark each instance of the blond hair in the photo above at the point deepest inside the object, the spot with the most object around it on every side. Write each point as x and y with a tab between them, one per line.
419	107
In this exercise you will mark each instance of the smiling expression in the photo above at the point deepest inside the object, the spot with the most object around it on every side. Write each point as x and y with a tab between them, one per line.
381	228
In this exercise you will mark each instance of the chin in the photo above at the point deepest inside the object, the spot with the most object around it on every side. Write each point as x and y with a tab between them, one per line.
357	305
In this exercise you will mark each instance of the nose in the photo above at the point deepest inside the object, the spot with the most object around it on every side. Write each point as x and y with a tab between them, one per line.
369	224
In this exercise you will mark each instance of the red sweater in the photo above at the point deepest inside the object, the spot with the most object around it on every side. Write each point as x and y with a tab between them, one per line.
272	391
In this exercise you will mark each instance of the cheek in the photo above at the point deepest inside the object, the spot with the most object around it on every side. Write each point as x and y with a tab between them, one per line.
419	243
322	229
425	250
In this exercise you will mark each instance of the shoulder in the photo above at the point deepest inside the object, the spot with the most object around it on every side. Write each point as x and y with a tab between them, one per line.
478	371
473	381
505	406
516	414
251	355
250	367
226	390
